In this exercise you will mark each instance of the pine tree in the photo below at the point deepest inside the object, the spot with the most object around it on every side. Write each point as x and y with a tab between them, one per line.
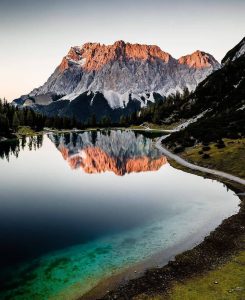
122	120
4	124
16	121
29	118
93	120
105	121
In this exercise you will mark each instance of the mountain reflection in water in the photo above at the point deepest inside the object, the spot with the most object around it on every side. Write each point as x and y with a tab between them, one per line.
118	151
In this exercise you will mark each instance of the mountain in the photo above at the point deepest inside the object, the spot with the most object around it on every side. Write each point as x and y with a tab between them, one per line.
116	79
220	98
234	53
120	152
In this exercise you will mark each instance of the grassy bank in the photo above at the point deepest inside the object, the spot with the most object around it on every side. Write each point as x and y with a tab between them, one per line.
215	268
153	126
228	156
227	281
20	131
26	130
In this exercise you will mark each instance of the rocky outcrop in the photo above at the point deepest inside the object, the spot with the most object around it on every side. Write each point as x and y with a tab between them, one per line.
198	60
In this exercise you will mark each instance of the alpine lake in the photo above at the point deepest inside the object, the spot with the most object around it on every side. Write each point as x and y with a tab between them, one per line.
77	208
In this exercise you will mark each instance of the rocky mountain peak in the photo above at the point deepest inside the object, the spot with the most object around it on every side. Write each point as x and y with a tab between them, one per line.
198	59
119	44
124	76
146	52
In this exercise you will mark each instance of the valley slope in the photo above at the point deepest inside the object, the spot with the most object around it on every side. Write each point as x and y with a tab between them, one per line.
221	99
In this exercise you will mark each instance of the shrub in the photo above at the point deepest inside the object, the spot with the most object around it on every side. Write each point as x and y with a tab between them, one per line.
179	149
220	144
205	156
205	148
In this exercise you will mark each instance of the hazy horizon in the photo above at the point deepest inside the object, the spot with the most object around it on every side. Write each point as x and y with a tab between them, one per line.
36	35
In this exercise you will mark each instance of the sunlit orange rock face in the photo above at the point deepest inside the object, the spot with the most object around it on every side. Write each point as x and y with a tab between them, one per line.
64	152
198	60
97	55
143	164
73	54
64	65
95	160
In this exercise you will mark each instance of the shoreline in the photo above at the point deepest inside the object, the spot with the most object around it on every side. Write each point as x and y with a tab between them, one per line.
217	247
192	166
157	260
14	136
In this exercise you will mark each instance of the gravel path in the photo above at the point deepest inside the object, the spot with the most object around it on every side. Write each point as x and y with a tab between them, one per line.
195	167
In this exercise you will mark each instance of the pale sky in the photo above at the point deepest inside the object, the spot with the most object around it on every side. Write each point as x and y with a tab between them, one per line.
35	35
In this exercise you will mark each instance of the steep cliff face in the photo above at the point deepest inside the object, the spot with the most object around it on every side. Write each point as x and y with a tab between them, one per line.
118	152
121	72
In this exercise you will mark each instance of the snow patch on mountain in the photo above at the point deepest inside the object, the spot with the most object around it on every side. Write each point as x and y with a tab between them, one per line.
115	99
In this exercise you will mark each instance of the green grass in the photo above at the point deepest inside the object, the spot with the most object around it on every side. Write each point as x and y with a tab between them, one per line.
229	159
227	282
230	279
25	130
156	126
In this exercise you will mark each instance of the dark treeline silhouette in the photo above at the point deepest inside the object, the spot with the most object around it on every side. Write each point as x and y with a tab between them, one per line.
14	146
11	117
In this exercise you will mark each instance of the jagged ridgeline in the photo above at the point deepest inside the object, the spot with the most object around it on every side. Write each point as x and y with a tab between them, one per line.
115	80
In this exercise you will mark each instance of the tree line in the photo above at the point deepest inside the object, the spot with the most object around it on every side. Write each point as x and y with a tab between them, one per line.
11	117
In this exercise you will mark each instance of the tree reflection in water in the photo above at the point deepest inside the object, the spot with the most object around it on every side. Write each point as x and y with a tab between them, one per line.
12	148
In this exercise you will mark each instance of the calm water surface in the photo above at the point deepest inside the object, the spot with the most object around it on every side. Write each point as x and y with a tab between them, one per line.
76	208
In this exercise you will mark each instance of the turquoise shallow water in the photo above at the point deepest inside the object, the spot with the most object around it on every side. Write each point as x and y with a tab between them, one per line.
77	216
